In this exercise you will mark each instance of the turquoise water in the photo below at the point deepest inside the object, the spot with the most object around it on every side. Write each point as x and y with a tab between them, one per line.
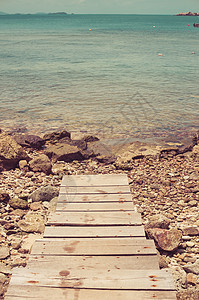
110	80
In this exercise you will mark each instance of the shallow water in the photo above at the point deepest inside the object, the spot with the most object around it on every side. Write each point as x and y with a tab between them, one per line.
109	81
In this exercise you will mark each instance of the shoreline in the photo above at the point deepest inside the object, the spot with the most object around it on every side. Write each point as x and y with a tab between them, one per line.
163	182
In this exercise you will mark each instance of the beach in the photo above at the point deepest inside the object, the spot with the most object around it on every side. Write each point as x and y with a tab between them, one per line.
164	187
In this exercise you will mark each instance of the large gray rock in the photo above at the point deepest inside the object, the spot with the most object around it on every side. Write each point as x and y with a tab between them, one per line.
101	151
158	221
10	152
30	141
32	223
64	152
41	163
167	240
45	193
57	135
192	268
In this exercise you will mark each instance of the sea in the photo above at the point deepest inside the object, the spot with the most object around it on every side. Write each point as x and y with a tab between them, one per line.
115	76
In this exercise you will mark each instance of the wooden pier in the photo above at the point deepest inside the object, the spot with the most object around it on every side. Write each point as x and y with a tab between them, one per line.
94	248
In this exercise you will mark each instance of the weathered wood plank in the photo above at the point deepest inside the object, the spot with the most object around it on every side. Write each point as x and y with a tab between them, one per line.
100	207
95	190
93	246
108	262
95	180
94	218
115	279
94	198
97	231
48	293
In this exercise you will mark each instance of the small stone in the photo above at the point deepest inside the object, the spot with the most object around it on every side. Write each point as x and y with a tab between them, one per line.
158	221
191	278
5	269
35	206
3	278
193	203
18	203
23	165
190	244
32	223
192	268
18	262
29	240
4	252
4	197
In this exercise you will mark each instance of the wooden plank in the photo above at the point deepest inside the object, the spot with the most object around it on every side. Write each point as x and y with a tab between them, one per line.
100	207
113	246
46	293
95	190
95	180
94	198
94	218
91	232
97	262
115	279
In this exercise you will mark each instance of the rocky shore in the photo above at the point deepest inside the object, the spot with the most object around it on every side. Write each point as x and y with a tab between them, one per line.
164	184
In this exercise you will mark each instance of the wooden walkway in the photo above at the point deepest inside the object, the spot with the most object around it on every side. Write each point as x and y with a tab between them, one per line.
94	248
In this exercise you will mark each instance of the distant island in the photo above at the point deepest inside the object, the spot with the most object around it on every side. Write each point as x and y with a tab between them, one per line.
39	13
188	14
58	13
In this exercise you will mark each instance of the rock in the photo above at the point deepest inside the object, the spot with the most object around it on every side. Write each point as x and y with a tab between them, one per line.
30	141
3	279
18	203
192	268
167	240
32	223
18	262
35	206
29	240
57	135
10	152
63	152
179	276
128	152
58	168
158	221
188	295
190	244
45	193
191	231
4	197
90	138
101	151
162	261
15	242
5	269
4	252
195	150
191	278
23	165
41	163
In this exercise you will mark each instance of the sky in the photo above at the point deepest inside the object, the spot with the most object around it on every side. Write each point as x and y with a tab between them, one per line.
100	6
